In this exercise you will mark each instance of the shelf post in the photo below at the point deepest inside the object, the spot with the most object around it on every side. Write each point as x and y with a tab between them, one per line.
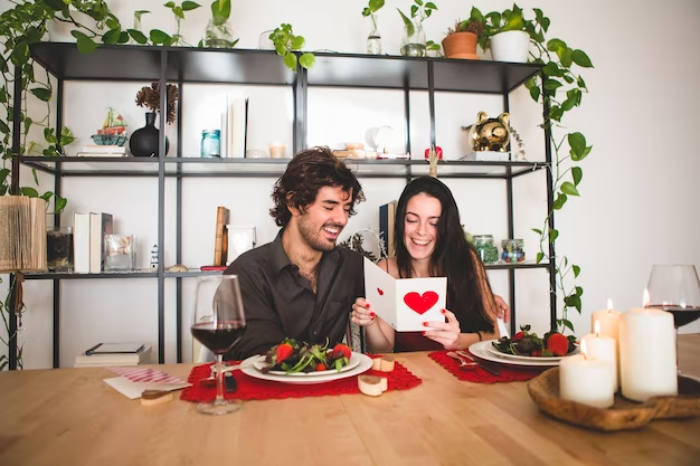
161	203
550	211
178	230
511	229
57	182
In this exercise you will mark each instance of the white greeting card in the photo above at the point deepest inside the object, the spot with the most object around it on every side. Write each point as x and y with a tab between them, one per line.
405	303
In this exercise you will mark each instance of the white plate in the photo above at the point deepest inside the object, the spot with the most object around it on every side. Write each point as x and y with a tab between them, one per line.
364	365
480	350
352	363
517	357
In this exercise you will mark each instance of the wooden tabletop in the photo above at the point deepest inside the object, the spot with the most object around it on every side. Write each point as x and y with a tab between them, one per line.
70	416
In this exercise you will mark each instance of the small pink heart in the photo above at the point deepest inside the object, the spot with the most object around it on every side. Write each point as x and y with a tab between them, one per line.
380	291
420	304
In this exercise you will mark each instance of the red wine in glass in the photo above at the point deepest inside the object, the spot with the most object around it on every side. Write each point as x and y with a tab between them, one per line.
219	337
681	315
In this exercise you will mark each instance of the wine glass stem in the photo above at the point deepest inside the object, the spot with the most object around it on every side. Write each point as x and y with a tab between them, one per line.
678	367
220	378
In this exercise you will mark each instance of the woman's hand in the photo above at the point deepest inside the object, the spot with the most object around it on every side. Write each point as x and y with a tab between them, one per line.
447	334
502	309
362	314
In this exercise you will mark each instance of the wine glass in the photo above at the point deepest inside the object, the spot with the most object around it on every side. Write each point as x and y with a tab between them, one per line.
675	289
219	322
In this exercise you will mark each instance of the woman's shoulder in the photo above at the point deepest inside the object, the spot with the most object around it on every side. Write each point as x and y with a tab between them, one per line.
389	265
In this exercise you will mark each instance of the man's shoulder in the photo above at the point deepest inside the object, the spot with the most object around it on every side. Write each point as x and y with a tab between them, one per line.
252	259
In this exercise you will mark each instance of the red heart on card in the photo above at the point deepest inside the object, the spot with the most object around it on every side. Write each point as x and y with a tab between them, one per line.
420	304
380	291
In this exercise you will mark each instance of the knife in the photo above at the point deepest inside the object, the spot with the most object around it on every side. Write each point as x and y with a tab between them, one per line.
488	368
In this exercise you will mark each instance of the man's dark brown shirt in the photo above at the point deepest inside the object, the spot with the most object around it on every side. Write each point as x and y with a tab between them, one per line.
279	301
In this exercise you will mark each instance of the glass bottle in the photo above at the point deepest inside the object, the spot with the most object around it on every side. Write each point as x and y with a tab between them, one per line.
218	34
374	40
413	45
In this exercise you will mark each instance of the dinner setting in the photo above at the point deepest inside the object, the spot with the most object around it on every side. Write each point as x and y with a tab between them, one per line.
368	232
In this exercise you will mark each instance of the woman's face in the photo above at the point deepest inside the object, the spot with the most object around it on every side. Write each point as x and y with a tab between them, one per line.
420	225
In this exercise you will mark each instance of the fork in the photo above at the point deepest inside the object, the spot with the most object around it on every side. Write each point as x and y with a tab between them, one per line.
488	368
462	363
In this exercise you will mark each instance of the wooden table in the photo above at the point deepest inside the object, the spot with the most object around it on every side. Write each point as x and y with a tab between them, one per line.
71	417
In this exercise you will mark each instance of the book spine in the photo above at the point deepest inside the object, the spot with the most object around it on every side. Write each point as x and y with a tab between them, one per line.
221	221
81	243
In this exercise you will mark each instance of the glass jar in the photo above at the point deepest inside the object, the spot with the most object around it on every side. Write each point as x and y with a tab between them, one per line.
413	45
374	40
210	146
119	253
486	249
59	249
218	34
513	250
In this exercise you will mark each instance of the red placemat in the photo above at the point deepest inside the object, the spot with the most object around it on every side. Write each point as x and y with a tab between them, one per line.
250	388
508	373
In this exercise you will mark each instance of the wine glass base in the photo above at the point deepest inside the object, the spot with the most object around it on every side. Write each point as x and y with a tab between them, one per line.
219	408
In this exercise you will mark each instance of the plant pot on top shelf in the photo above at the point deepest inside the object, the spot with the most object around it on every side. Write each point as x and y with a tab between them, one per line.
510	46
460	45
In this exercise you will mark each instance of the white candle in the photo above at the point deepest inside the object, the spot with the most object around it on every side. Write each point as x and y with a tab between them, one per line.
277	151
609	321
647	354
586	380
604	348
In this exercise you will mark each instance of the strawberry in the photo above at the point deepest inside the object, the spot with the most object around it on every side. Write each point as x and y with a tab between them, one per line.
518	336
320	367
536	353
558	344
341	351
284	350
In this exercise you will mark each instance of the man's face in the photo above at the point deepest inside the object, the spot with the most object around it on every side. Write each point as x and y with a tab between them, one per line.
321	222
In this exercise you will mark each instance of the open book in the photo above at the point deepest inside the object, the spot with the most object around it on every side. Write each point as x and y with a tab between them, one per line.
405	303
22	234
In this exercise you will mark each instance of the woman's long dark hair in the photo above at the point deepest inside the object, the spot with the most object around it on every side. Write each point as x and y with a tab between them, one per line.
454	257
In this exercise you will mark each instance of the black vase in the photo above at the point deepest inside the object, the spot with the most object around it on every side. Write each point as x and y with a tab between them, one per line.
144	141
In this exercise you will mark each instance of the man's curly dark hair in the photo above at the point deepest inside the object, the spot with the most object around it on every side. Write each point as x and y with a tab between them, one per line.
308	172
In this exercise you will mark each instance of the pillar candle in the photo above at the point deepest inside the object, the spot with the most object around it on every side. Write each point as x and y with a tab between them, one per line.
586	380
604	348
647	354
277	151
608	319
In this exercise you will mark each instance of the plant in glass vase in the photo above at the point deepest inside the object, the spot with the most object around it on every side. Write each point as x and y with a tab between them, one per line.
179	13
374	40
286	43
218	33
413	44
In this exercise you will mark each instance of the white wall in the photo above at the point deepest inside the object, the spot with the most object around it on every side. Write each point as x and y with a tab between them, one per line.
640	177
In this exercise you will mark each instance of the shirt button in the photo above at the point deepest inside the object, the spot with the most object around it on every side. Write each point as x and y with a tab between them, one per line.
315	333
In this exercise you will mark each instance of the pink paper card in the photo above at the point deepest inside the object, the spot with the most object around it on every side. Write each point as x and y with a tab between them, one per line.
405	303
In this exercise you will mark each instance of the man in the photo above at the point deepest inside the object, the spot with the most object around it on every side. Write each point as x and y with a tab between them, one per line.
300	285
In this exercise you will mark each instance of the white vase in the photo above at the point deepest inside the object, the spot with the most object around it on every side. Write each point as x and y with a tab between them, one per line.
511	46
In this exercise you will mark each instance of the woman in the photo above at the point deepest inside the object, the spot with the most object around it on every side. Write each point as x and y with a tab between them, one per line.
430	242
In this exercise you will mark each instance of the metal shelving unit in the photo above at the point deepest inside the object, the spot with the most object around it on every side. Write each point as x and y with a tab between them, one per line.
259	67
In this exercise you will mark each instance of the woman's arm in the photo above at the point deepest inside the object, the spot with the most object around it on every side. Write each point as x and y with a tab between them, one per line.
488	300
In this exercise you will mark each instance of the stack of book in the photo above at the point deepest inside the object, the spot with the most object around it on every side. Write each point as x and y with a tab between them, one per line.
115	354
102	151
89	232
234	127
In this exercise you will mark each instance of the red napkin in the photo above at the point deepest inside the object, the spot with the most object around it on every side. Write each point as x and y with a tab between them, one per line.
250	388
508	373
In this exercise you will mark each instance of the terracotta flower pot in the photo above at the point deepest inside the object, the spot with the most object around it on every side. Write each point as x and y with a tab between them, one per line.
460	45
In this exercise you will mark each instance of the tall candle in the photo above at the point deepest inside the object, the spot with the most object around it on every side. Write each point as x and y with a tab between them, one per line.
604	348
586	380
647	354
608	319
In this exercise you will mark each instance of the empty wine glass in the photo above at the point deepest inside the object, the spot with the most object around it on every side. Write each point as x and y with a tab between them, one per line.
219	322
675	289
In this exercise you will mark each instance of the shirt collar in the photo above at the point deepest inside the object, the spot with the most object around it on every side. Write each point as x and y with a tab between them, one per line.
280	260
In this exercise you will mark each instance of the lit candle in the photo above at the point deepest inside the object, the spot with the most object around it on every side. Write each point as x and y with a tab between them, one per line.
277	151
647	354
586	380
604	348
609	320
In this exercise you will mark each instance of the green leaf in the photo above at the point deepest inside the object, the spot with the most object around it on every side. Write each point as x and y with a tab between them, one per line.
29	192
84	43
123	37
137	36
581	59
554	45
376	5
576	269
4	128
535	93
221	11
307	60
298	43
553	235
177	11
579	291
3	95
567	324
49	136
537	230
139	13
111	36
552	84
414	11
35	176
159	37
540	256
291	61
169	5
559	201
431	6
4	172
565	57
476	14
577	174
46	196
580	82
552	69
60	204
187	5
410	29
419	2
112	23
568	104
577	142
568	188
41	93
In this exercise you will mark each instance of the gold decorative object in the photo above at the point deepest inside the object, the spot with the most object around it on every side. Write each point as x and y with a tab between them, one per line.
489	134
623	415
178	268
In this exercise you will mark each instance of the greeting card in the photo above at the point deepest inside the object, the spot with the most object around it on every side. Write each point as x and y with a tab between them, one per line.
405	303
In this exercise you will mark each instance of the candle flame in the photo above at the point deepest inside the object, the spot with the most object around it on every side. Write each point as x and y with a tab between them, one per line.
646	300
610	304
583	348
597	328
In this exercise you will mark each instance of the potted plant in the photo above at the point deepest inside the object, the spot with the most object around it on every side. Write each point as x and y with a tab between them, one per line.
286	43
218	33
413	44
144	142
374	40
508	33
462	39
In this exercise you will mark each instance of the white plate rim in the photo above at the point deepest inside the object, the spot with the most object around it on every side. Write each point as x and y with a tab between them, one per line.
365	365
352	363
479	350
517	357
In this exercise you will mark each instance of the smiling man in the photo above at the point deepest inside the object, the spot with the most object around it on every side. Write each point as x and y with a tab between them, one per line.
300	285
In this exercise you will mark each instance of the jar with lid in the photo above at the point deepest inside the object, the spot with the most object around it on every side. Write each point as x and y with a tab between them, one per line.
513	250
211	144
485	249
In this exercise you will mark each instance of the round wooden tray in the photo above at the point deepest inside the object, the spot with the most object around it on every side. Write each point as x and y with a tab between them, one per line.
624	414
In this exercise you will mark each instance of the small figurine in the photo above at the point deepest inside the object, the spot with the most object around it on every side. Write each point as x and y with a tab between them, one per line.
489	134
154	257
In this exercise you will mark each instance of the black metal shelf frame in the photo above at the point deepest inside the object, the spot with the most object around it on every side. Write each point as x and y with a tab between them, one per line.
255	67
